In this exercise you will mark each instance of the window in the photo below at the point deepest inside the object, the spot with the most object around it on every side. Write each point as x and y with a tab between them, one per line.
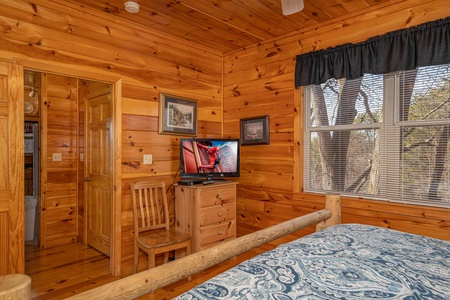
381	136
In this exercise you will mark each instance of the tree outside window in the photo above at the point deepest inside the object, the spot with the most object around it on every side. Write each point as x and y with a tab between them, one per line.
386	136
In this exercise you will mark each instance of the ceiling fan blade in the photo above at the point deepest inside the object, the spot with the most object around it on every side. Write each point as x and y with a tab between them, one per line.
291	6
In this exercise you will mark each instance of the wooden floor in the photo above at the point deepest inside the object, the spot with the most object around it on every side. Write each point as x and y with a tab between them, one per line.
61	272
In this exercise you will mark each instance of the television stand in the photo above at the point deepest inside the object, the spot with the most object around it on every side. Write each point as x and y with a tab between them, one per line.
207	213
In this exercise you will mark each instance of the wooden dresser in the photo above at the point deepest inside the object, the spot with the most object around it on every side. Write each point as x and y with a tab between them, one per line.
207	212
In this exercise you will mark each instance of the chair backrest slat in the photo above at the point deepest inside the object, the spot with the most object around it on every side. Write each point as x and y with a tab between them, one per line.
141	205
145	208
158	219
150	205
155	212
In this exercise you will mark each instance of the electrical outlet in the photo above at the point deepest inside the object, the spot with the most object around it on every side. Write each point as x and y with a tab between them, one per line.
148	159
57	156
81	156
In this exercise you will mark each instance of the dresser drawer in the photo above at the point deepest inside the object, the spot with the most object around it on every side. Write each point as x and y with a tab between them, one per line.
213	233
218	213
217	196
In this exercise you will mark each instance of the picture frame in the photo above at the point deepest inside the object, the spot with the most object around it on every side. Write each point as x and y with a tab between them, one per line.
255	131
177	115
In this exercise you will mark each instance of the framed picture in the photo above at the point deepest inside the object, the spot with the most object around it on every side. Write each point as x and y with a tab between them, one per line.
255	131
177	115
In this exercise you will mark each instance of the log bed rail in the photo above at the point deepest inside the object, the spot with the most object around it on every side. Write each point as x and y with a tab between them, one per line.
148	281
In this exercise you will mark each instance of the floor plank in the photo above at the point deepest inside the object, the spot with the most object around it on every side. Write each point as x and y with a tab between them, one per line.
61	272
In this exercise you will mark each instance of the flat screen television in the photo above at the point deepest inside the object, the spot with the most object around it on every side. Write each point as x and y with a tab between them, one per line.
209	159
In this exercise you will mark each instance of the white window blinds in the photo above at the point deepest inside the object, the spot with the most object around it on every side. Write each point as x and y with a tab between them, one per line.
382	136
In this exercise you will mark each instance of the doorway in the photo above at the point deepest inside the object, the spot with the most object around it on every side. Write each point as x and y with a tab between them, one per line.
31	155
64	214
98	166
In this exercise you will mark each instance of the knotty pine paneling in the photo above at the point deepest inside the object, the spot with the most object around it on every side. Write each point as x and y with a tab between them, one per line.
259	80
42	36
102	44
51	31
59	179
256	81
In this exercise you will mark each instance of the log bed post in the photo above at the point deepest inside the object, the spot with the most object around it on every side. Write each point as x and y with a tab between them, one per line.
148	281
15	286
332	203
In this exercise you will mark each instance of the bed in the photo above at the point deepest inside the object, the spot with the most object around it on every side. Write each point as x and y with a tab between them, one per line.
338	261
346	261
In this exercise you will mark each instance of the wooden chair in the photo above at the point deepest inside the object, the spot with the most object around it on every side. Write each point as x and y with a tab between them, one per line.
152	232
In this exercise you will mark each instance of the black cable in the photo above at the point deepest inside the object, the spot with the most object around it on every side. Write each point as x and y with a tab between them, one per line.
174	179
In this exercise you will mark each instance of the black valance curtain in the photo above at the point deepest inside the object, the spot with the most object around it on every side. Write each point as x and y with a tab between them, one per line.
423	45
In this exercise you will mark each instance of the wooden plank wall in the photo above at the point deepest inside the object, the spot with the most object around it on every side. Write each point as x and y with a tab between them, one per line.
42	36
140	136
59	129
259	81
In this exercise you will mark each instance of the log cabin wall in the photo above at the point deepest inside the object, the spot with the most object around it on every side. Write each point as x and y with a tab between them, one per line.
260	81
143	63
42	35
59	132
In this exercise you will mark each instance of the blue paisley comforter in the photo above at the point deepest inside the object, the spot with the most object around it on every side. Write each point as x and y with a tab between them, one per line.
346	261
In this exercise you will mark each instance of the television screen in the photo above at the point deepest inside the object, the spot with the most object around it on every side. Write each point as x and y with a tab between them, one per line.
209	158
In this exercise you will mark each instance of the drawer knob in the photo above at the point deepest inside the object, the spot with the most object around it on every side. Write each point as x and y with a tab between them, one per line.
220	232
218	196
219	214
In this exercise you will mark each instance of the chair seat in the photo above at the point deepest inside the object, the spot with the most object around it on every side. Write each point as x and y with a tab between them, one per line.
161	238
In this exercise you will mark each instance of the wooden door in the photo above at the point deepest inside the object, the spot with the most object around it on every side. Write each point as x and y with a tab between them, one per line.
12	257
98	165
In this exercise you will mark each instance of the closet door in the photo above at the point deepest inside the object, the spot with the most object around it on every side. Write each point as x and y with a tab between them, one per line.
12	257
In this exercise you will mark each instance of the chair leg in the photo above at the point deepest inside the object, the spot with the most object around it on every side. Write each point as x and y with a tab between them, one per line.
166	257
188	251
151	259
135	259
188	248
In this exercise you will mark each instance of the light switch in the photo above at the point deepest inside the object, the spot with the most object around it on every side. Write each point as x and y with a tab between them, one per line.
57	156
148	159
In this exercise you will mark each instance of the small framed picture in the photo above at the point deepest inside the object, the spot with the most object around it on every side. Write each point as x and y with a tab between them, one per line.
177	115
255	131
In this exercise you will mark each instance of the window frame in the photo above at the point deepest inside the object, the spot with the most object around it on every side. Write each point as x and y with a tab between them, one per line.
389	130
